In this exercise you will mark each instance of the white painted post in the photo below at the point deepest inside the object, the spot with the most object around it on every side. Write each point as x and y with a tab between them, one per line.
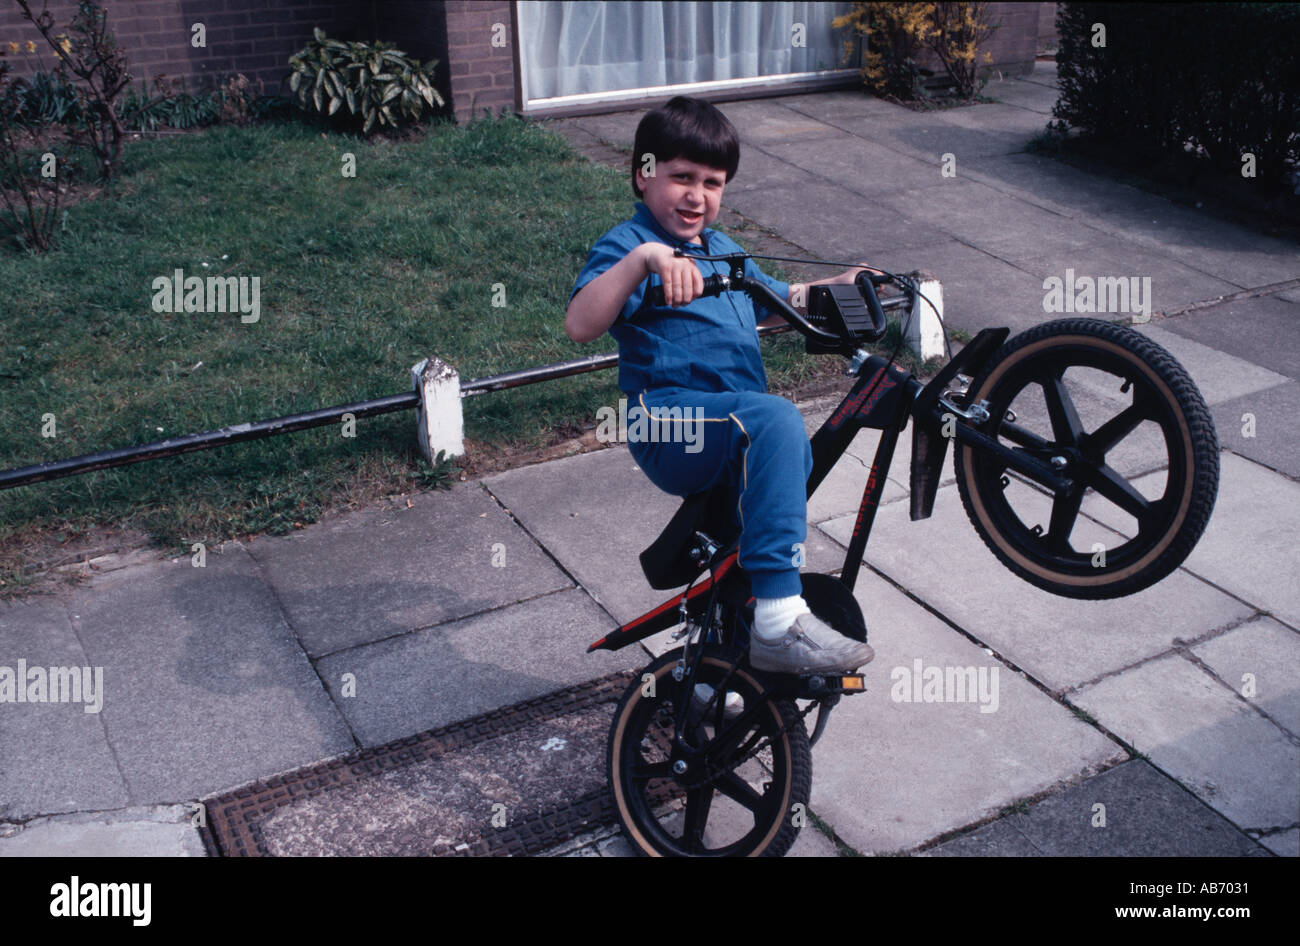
441	423
924	328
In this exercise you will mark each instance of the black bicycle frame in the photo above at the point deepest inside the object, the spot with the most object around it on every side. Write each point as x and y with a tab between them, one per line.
884	398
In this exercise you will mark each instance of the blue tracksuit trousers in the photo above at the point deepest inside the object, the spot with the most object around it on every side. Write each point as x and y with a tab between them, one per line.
752	440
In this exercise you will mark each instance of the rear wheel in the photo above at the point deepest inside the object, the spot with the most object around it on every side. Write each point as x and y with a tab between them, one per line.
717	797
1119	418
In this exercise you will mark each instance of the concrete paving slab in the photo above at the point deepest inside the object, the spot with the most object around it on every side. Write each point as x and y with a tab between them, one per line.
1283	843
1259	426
163	831
1260	330
1202	243
892	774
1261	661
1061	642
69	763
841	492
1220	376
371	574
1014	124
1249	544
616	128
1201	733
854	103
979	289
1216	247
1144	814
598	533
859	166
863	449
1088	199
1021	93
205	685
760	170
818	218
1171	284
759	121
998	839
924	136
444	674
971	211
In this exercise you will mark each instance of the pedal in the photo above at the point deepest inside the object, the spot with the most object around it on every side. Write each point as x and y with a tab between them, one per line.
817	685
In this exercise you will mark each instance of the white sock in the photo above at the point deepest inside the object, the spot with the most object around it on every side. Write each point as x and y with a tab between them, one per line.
773	616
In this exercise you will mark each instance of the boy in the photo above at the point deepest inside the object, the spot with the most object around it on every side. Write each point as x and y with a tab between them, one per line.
702	355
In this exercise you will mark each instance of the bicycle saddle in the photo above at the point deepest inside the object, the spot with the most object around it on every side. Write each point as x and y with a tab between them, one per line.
667	562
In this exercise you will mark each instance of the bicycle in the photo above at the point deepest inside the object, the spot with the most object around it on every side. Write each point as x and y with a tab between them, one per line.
708	756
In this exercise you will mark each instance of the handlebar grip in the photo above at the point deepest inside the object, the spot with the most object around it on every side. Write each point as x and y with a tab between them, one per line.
866	283
713	285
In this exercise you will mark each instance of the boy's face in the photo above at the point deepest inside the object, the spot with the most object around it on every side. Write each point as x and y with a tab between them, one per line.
683	196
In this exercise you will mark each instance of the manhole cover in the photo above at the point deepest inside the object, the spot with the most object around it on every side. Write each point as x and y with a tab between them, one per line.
518	780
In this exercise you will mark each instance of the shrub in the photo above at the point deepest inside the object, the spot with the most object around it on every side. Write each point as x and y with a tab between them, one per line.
379	84
894	35
1217	80
90	53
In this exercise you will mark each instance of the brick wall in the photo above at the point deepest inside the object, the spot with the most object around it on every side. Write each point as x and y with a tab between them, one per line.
1047	35
482	75
249	36
1015	43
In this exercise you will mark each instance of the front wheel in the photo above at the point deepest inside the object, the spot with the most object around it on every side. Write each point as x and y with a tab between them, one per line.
1117	417
740	785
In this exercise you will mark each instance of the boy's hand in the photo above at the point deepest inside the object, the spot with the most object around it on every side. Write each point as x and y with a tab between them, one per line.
679	274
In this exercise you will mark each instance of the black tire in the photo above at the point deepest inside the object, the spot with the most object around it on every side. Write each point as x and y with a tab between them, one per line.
735	817
1165	426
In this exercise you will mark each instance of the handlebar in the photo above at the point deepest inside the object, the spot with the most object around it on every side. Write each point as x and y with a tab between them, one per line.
843	340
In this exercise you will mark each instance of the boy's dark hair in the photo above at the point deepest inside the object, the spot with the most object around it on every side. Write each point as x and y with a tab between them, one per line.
686	128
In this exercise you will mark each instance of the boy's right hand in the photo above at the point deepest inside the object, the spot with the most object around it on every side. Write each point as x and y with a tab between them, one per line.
680	275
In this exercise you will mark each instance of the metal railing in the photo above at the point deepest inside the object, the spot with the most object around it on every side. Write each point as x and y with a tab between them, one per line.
210	439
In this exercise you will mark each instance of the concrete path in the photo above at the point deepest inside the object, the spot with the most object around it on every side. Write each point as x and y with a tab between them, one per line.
1163	723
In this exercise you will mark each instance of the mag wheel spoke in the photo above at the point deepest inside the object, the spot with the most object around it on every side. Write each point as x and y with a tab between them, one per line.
1121	492
698	803
740	791
1105	437
1065	512
1066	427
651	770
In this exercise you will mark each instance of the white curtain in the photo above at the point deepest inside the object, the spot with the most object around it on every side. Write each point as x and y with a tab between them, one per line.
572	48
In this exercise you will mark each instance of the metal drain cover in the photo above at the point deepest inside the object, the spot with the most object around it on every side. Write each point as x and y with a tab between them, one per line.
516	781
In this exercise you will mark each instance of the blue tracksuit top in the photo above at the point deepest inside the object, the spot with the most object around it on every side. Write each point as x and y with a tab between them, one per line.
709	345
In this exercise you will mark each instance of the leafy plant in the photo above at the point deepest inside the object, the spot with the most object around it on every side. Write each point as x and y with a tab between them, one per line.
896	34
89	51
379	84
893	35
31	200
959	29
43	99
169	108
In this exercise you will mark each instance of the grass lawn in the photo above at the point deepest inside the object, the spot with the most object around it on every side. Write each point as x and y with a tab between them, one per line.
360	277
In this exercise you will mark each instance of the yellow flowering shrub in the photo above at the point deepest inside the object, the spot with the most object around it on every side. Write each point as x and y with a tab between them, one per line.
894	34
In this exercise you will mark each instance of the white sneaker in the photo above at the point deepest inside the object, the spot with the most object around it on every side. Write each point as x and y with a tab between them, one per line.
704	693
809	646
